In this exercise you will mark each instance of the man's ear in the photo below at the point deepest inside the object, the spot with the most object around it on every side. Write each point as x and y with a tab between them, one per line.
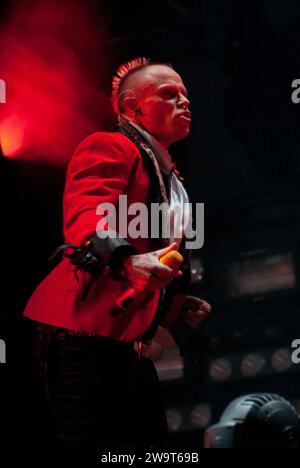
130	104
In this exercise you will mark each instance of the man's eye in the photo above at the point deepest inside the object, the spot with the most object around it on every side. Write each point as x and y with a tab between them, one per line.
169	94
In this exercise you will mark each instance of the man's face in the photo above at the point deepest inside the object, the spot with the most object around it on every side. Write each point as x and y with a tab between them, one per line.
163	102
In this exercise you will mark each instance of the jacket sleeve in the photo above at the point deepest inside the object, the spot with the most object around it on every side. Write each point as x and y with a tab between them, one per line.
99	172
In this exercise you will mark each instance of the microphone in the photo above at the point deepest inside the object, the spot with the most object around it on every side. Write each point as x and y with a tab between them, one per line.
172	260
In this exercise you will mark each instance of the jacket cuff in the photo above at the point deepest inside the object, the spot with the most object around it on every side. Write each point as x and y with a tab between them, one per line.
117	258
112	251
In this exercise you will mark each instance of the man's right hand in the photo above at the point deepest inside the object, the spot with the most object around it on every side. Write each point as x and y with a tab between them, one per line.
147	274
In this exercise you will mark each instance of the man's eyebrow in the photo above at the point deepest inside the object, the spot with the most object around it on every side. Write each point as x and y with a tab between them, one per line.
151	84
161	84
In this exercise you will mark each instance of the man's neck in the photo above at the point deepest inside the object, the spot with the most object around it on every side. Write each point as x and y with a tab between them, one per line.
164	144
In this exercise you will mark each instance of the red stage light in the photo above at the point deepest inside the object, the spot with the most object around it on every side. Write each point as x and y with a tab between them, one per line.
52	96
12	135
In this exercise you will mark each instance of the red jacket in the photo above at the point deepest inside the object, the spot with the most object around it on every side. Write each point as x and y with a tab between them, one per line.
104	166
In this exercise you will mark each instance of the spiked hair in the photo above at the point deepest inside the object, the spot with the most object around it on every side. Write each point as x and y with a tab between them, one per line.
126	70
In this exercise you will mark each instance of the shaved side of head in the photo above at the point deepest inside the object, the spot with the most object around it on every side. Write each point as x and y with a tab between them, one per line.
132	78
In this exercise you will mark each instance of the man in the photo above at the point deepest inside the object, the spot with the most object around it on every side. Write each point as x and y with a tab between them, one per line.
101	390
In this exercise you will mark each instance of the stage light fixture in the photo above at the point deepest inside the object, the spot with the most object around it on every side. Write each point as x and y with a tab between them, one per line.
260	420
221	370
282	360
252	365
201	416
174	420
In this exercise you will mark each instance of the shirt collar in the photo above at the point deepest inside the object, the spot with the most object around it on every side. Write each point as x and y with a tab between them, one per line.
162	155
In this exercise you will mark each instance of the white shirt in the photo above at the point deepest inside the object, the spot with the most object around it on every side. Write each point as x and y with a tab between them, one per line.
179	215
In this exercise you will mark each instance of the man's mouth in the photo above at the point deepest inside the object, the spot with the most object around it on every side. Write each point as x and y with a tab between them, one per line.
186	116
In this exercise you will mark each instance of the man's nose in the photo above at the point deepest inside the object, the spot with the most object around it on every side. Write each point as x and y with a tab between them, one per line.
184	102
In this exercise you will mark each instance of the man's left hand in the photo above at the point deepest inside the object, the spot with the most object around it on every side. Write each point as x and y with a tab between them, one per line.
194	311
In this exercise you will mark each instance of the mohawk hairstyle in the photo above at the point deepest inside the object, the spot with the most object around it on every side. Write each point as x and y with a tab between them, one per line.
122	74
126	70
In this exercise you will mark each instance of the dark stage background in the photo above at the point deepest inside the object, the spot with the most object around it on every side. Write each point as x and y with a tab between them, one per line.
238	59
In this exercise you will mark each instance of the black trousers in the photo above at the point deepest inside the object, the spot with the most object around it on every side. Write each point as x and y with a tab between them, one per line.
101	395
